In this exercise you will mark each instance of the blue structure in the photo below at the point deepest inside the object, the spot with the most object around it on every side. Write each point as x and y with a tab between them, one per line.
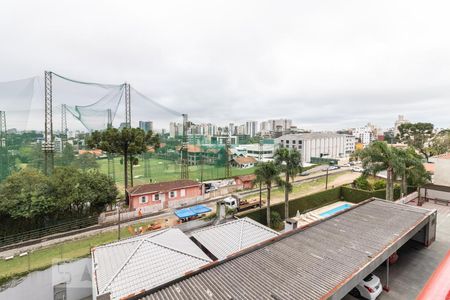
193	211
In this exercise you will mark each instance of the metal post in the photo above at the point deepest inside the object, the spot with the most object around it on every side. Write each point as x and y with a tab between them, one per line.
64	121
184	150
260	194
386	287
118	220
48	146
326	180
4	172
127	105
227	155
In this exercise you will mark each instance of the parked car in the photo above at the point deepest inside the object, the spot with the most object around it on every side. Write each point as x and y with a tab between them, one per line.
331	168
357	169
306	173
369	288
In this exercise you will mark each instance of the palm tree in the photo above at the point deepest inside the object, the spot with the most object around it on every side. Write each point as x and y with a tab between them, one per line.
268	173
377	157
289	161
412	168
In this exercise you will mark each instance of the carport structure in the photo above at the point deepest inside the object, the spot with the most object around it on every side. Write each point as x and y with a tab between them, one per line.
323	260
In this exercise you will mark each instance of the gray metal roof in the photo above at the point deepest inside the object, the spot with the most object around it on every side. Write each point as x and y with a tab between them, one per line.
308	263
144	262
310	136
231	237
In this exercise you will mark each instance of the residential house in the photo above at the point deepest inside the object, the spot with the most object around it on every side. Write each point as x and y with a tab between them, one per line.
244	162
247	181
171	194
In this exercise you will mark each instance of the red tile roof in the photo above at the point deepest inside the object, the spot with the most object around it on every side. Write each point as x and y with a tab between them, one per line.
162	186
245	160
429	167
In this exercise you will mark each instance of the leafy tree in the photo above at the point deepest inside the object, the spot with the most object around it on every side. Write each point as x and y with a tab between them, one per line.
275	219
127	142
24	195
289	161
379	156
419	136
268	173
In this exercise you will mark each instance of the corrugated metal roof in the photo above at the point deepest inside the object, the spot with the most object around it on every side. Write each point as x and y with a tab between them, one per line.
144	262
308	263
231	237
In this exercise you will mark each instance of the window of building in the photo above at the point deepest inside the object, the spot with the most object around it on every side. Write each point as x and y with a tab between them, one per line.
182	193
287	141
293	142
143	199
172	194
156	197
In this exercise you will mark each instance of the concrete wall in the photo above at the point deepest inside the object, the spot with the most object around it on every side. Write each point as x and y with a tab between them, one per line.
442	172
39	285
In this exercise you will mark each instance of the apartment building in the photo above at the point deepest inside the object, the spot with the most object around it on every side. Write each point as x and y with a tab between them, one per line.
316	145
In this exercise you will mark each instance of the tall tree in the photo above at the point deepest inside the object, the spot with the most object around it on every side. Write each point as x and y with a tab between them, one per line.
379	156
268	173
419	136
126	142
411	169
290	163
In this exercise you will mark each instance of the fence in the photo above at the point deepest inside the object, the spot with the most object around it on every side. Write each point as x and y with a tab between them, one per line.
46	231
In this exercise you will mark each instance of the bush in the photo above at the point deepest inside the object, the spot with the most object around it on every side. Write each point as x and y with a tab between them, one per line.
362	183
379	185
275	220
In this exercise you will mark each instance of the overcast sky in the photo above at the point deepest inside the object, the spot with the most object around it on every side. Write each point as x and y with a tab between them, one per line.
325	64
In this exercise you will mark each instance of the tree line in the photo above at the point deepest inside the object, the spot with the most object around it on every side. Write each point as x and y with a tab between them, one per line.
29	199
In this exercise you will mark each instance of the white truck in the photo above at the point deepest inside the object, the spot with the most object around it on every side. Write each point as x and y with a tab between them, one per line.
235	202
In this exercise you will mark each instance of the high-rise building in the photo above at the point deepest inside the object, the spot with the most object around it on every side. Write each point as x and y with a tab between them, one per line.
280	125
231	128
175	129
146	126
401	120
251	128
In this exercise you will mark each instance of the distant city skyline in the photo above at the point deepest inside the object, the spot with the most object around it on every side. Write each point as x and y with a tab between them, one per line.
233	61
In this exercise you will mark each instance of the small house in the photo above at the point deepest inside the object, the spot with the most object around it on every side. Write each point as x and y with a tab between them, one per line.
244	162
247	181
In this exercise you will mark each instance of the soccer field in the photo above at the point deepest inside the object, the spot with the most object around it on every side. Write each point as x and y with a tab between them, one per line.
165	170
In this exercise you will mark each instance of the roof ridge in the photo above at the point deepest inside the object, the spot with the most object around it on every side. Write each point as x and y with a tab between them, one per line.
240	236
176	250
253	222
123	266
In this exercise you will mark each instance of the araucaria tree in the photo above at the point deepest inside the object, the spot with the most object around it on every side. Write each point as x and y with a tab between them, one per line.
420	136
290	163
127	142
379	156
268	173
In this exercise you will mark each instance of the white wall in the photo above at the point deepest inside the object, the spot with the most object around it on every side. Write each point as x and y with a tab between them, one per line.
442	172
39	285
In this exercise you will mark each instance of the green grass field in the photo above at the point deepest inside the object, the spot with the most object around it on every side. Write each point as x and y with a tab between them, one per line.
67	251
165	170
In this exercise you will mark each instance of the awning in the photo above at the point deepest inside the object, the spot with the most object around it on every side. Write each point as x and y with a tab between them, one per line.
192	211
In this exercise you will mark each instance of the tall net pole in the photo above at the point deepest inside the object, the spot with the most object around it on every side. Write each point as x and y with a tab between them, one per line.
227	155
111	167
4	171
48	146
184	150
128	125
64	129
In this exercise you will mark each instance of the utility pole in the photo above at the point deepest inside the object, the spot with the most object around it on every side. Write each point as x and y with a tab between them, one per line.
48	146
4	172
326	179
184	150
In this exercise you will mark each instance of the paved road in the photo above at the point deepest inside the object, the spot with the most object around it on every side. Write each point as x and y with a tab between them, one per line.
166	217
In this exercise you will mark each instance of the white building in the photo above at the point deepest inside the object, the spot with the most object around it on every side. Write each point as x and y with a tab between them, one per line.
364	134
175	129
265	151
401	120
350	144
280	125
441	169
315	145
251	127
